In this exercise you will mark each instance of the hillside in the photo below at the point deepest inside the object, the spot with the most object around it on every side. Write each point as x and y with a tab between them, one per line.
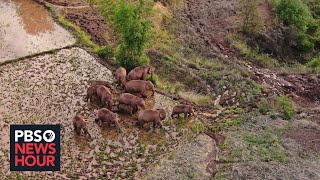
250	69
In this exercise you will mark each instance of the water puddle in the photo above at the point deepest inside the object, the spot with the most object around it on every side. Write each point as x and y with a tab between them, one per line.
26	28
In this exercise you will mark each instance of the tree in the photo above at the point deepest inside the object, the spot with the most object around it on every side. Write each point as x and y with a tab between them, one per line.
294	12
133	31
251	21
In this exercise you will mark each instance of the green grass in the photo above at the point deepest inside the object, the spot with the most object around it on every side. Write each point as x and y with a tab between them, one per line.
198	99
197	127
263	60
266	145
314	64
226	124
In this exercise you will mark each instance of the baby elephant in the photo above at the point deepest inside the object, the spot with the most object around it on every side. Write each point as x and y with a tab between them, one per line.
139	86
106	116
132	100
187	110
104	95
92	90
128	109
79	123
154	116
121	75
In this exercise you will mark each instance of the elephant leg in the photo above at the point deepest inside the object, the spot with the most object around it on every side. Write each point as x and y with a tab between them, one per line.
78	130
154	125
185	115
109	104
103	102
85	130
159	123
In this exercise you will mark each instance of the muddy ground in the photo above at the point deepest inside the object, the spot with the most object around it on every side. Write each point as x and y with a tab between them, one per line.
23	33
50	89
87	18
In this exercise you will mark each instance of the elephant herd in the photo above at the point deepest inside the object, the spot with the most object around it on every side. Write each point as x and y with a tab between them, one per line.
135	89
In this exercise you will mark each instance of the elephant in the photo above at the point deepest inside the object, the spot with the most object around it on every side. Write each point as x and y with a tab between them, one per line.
140	87
79	123
104	95
128	109
106	116
139	73
92	90
154	116
132	100
121	75
103	83
187	110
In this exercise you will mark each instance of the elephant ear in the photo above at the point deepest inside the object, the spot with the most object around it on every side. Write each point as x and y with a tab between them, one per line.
162	113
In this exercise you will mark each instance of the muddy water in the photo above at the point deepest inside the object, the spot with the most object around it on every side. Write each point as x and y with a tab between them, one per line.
50	89
26	28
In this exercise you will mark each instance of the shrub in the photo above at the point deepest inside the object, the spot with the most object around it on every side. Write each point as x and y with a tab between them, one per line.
133	31
286	107
264	106
105	52
154	79
251	22
197	127
294	12
314	64
304	44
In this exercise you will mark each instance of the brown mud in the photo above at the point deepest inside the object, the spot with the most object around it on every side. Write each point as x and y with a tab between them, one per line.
87	18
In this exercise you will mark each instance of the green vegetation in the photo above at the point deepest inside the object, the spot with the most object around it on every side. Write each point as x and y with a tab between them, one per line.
227	123
266	145
282	104
197	127
314	64
294	12
132	28
82	38
251	22
286	107
104	52
263	60
196	98
264	106
302	16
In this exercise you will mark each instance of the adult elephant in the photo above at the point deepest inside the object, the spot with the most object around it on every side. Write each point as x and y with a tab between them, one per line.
140	73
140	87
151	116
132	100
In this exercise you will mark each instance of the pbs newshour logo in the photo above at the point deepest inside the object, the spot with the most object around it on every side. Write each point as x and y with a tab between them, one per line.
35	147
